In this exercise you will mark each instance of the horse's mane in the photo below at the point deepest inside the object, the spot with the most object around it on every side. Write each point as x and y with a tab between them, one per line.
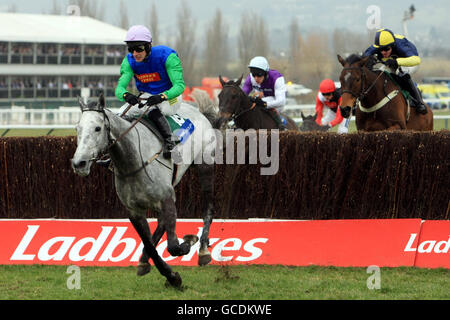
353	58
232	83
205	105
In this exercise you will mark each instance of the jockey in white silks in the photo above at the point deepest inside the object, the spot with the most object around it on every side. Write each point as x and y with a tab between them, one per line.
269	86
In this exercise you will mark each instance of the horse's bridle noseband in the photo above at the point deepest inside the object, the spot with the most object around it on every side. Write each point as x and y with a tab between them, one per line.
362	93
235	116
111	141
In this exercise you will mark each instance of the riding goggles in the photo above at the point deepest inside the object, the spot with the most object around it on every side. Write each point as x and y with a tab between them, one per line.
139	48
257	72
386	48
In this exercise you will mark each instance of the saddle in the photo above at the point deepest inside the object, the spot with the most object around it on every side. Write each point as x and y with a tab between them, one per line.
391	74
181	127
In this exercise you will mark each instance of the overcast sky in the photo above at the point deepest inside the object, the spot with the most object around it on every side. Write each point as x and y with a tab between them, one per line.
311	14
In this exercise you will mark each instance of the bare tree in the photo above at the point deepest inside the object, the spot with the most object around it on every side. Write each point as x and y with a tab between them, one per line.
253	38
315	59
346	42
245	41
123	18
12	8
216	50
294	51
56	8
261	42
93	9
185	42
152	21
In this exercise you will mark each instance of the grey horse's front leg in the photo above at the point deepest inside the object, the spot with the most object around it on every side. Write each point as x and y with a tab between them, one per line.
144	266
141	225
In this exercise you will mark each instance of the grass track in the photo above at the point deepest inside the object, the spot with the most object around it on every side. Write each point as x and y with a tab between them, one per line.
40	282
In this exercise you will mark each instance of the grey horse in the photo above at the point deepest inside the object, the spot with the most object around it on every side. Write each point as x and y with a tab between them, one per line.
145	180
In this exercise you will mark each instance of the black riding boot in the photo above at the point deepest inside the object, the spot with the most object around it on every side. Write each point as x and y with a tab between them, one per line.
415	93
164	128
276	117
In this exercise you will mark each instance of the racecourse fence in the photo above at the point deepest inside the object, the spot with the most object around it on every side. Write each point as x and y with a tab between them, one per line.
321	176
18	117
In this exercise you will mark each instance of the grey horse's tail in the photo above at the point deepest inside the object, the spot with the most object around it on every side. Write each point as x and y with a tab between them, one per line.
205	105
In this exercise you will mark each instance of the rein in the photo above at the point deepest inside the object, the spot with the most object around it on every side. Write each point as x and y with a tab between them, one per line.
363	93
112	141
243	112
235	116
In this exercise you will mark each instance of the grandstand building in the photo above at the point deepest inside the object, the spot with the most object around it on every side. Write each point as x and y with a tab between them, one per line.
46	61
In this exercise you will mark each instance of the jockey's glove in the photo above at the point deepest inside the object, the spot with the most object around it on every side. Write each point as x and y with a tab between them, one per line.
156	99
391	63
130	98
258	101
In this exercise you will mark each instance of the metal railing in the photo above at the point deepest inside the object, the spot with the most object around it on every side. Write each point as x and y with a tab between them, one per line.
18	117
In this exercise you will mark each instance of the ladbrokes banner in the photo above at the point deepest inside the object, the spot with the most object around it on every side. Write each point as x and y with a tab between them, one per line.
390	242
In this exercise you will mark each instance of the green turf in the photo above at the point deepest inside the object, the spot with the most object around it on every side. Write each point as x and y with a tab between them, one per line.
224	282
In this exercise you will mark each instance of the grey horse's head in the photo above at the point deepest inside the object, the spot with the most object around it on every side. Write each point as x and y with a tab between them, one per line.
92	135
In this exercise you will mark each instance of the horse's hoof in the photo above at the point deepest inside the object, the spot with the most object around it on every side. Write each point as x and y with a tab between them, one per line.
203	260
191	239
143	268
174	280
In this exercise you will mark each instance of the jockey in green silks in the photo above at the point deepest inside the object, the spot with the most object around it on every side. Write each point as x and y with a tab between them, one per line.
156	70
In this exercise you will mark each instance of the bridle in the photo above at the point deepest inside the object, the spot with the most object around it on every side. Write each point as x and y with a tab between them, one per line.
236	116
362	93
112	141
360	96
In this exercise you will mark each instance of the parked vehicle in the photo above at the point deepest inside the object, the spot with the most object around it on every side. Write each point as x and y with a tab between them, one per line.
436	96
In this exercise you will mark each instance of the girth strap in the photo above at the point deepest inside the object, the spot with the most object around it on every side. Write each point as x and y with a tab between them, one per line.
380	104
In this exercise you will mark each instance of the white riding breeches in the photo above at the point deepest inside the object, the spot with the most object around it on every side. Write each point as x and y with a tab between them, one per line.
404	70
330	115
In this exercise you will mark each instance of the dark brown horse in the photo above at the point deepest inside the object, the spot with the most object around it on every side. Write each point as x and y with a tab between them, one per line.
379	101
235	105
309	123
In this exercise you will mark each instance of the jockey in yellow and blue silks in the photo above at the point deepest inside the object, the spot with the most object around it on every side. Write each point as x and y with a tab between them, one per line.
396	51
156	70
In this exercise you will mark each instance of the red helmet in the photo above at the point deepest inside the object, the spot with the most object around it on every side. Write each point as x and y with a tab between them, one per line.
327	86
